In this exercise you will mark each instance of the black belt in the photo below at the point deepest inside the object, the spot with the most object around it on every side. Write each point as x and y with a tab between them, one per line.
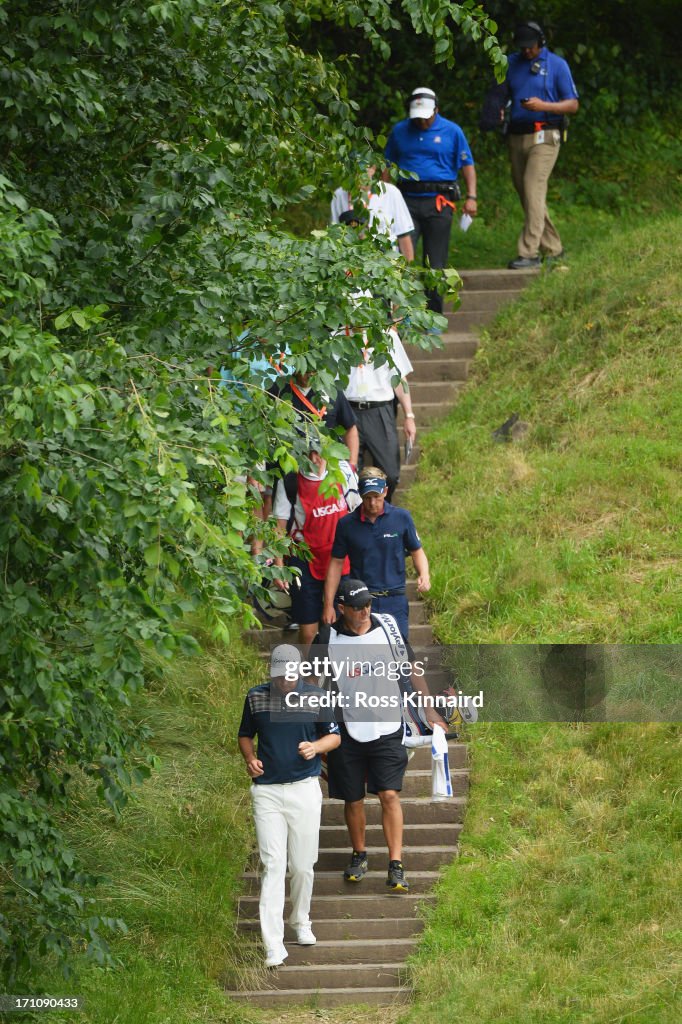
369	405
395	592
415	188
523	128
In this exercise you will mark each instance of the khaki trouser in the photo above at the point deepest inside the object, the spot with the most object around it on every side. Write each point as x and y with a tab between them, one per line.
531	166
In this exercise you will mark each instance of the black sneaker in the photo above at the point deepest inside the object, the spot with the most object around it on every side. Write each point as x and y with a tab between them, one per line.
524	263
357	868
559	258
396	880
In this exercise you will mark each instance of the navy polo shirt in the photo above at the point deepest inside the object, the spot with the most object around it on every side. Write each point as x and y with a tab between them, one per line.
279	733
377	550
435	153
553	82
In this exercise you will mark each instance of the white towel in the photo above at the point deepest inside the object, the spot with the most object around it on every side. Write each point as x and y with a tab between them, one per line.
415	740
441	785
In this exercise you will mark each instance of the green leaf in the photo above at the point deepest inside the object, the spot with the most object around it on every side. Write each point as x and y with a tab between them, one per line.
63	321
152	555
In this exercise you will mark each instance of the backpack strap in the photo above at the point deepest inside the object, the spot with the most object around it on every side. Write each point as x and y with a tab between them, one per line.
393	635
290	481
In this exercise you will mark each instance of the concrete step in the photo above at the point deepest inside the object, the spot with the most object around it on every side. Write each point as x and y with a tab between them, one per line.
418	782
428	413
467	321
298	976
407	477
429	858
416	810
439	834
346	928
455	345
350	951
439	678
417	609
374	995
426	370
268	637
420	633
486	299
476	280
331	883
430	391
345	909
457	756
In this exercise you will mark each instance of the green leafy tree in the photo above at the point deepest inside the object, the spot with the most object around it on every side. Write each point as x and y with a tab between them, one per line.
146	151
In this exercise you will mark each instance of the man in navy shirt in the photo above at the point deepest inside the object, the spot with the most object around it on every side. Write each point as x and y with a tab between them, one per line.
436	150
286	796
334	413
376	537
542	93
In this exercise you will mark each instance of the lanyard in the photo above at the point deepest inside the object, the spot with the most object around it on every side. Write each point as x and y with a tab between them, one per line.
306	402
303	398
441	201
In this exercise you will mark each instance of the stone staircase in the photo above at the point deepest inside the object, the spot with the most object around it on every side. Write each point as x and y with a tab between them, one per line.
364	933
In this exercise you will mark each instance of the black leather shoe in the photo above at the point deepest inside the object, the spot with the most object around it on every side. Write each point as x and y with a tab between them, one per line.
524	263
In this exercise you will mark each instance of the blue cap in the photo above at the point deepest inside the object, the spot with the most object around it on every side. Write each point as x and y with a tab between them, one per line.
372	485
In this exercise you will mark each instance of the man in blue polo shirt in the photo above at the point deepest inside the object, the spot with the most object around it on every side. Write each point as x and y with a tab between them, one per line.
436	150
376	537
286	796
542	93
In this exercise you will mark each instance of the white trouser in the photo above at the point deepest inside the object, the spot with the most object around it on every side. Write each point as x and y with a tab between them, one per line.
287	819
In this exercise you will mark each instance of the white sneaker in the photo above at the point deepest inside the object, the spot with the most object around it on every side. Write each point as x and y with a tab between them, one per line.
275	957
304	936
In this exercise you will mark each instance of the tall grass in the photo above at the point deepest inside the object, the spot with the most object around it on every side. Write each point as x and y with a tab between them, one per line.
174	856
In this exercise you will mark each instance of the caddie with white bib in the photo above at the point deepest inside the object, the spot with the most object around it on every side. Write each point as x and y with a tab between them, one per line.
370	666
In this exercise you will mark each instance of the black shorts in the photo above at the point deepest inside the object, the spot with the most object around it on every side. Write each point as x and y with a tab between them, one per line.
379	764
306	595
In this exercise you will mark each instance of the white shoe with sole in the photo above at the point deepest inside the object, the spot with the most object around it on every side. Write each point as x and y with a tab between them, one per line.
305	937
275	957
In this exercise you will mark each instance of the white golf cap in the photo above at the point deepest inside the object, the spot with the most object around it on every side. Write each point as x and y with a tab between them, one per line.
283	659
422	103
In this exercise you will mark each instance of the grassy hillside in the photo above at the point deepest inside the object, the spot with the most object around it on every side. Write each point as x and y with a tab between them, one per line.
572	534
563	907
